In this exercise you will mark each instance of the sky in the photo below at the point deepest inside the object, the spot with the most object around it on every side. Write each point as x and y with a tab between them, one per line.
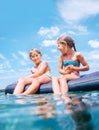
27	24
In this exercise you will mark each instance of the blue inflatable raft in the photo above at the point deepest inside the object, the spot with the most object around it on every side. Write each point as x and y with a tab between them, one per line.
87	82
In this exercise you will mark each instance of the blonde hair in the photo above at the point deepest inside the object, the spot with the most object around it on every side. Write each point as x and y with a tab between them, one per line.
70	42
34	51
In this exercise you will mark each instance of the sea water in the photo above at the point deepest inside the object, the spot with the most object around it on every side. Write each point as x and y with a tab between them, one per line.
73	111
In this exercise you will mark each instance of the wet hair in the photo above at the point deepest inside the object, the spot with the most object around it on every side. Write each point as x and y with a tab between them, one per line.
33	52
70	42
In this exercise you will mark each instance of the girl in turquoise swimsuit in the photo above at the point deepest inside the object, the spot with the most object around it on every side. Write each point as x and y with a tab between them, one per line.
69	64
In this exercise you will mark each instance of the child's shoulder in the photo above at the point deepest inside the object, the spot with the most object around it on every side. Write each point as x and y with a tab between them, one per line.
78	53
44	62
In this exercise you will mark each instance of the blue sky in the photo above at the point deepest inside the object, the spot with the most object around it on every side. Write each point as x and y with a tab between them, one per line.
25	24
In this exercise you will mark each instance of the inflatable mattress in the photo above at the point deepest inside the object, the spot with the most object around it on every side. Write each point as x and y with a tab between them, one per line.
87	82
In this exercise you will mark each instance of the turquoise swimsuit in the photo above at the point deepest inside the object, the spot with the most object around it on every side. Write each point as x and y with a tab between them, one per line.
71	62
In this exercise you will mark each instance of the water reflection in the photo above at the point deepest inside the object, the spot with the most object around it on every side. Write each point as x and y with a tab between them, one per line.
70	112
80	114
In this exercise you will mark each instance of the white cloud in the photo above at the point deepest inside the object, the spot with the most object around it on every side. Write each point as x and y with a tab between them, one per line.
4	64
49	32
81	28
54	50
94	66
76	10
1	67
10	74
23	63
2	57
94	43
14	56
72	32
92	55
7	73
7	64
23	54
47	43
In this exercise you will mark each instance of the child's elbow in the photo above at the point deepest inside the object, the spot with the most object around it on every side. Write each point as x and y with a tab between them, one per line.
87	68
60	71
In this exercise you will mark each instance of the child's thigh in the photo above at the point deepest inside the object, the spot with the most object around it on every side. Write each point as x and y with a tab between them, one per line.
28	80
44	79
70	76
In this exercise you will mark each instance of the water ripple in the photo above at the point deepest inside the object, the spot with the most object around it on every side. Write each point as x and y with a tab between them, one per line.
50	112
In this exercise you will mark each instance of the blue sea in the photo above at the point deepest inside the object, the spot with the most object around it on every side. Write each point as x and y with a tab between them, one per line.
73	111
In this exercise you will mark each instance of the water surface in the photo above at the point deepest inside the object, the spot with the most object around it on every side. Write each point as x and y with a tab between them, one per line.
75	111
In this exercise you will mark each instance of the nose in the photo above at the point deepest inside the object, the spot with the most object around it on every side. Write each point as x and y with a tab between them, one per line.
58	46
35	58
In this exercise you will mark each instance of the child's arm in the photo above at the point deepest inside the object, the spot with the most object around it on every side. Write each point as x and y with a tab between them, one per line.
33	70
84	63
40	70
68	69
60	68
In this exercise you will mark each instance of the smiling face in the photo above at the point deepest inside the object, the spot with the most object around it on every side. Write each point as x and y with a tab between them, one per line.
35	56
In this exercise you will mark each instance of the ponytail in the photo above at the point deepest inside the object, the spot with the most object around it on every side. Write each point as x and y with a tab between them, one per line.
74	47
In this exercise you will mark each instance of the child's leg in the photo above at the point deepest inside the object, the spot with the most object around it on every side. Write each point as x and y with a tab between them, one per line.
36	84
55	85
63	82
21	84
63	85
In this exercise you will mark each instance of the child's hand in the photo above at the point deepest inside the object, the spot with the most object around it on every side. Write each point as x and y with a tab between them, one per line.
68	69
33	70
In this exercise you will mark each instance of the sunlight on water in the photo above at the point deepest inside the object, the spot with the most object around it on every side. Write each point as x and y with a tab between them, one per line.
77	111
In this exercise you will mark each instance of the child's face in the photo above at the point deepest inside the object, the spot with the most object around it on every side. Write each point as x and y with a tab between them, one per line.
62	46
36	58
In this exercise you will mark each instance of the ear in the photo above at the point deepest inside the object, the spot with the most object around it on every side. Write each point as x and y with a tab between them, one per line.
40	54
30	58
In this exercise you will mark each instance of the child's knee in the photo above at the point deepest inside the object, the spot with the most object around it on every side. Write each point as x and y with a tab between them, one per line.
21	80
36	80
63	78
54	78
